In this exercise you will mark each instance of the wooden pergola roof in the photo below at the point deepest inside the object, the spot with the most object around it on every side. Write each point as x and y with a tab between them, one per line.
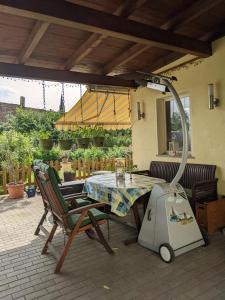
110	110
89	42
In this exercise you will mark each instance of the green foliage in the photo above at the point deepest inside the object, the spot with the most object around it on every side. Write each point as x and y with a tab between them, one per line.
120	141
90	153
117	152
65	135
26	121
15	149
47	155
95	152
43	135
176	121
79	153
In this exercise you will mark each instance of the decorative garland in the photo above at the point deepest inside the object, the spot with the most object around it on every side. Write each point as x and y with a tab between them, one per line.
40	82
192	63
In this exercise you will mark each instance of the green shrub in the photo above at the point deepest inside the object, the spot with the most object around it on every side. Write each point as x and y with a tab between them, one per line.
116	152
90	153
93	153
15	149
47	155
79	153
26	121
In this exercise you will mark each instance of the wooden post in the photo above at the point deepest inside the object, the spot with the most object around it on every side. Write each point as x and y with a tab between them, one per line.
93	165
74	168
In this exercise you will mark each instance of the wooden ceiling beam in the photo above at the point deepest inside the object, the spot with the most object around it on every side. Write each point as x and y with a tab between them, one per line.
81	52
216	32
23	71
128	7
83	18
184	16
95	39
124	57
34	38
195	10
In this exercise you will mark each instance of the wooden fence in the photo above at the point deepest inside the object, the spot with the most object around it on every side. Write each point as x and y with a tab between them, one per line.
82	169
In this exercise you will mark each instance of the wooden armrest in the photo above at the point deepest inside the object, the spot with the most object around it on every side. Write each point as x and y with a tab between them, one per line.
75	196
85	208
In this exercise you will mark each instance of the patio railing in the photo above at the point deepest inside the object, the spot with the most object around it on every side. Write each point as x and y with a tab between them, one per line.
82	169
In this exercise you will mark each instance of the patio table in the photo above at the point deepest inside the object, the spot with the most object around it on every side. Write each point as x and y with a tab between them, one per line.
120	195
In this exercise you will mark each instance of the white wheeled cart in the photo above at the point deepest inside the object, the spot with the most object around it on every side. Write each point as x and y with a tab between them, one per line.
169	226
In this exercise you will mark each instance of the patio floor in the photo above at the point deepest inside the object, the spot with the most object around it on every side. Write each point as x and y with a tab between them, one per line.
90	273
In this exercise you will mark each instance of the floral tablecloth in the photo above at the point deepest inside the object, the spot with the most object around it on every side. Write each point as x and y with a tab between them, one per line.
119	194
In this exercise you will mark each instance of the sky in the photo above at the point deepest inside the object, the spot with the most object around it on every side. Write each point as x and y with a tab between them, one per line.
12	88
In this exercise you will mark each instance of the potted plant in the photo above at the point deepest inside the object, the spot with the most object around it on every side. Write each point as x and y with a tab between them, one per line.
65	140
83	137
15	149
69	175
45	140
98	136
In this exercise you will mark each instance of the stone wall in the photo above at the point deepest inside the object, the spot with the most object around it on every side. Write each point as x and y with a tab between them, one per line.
7	108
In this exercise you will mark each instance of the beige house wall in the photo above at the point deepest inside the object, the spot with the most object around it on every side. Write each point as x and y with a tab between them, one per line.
208	126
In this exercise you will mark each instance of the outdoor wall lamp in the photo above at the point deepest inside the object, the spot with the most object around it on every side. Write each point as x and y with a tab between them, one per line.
213	102
140	111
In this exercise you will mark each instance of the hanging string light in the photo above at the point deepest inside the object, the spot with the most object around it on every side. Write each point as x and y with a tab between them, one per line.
55	84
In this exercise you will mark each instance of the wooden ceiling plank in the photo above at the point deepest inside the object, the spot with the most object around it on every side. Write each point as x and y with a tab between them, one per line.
128	7
83	18
217	31
35	36
124	57
195	10
125	9
81	52
183	17
23	71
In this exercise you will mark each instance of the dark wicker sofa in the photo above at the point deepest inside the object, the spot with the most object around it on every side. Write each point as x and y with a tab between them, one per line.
198	180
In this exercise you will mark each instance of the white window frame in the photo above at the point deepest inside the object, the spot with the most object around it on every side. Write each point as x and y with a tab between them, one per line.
161	124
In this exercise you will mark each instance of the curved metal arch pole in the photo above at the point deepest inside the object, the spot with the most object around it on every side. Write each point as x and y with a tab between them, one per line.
184	131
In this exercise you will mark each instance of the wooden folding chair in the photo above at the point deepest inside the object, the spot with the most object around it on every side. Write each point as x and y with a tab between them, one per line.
83	219
76	199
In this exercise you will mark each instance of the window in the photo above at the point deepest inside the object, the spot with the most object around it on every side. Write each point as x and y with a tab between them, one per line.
169	124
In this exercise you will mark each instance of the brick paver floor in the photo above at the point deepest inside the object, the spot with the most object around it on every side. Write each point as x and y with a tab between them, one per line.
90	273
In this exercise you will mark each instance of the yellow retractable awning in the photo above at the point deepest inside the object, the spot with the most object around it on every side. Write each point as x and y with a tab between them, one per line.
110	110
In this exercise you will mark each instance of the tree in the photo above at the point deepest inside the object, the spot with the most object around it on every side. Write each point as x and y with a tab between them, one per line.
26	121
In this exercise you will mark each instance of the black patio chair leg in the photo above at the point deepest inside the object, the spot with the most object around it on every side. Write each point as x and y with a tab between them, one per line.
41	222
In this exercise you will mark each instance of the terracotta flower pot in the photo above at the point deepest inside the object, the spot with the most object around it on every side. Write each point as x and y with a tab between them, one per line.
15	190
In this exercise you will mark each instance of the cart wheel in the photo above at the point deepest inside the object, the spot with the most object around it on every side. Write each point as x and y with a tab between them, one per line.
166	253
205	236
